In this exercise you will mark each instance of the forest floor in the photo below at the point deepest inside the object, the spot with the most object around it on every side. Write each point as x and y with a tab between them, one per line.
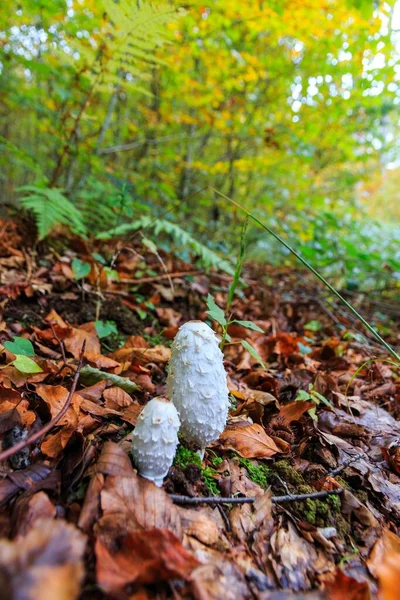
77	521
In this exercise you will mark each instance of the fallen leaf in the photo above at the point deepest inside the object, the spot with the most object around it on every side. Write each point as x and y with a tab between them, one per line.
34	478
30	508
343	587
250	441
55	397
247	518
47	563
143	557
294	410
132	503
114	461
90	512
116	398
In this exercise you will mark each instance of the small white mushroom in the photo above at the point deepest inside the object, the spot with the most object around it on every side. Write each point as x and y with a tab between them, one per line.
197	383
155	439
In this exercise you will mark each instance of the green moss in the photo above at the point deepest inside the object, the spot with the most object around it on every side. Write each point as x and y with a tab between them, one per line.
185	457
258	473
216	461
208	473
288	473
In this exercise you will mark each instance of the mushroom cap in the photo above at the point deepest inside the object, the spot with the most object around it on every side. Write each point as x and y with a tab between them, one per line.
197	383
155	439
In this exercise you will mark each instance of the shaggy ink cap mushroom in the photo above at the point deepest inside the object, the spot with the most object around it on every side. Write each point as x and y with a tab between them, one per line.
197	383
155	439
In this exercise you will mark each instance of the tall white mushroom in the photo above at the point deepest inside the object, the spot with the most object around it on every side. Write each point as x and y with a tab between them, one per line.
197	383
155	439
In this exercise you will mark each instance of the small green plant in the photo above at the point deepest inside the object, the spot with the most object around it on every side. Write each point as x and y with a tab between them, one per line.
219	315
23	350
185	457
51	207
257	473
312	396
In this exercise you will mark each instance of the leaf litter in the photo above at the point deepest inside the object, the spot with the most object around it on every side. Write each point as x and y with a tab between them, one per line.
77	521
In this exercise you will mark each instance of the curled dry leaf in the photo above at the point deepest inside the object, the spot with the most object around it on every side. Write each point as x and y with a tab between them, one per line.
250	441
35	477
294	410
116	398
141	557
46	563
114	461
55	397
132	503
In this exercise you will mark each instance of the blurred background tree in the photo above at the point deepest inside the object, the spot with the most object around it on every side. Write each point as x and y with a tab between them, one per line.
111	110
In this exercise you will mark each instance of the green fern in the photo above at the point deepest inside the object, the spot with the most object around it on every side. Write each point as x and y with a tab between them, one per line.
131	33
51	208
208	257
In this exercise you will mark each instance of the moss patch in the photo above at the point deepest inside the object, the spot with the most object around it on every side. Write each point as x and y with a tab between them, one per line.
321	513
258	473
185	457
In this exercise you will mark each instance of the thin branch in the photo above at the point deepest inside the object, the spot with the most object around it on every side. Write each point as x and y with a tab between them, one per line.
161	276
46	428
249	500
345	464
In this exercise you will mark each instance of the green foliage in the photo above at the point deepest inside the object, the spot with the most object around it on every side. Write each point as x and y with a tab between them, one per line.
80	268
20	345
134	31
258	473
25	364
185	457
51	207
312	396
207	257
105	328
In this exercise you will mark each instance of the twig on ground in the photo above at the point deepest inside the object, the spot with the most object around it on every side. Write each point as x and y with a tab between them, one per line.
248	500
161	276
345	464
46	428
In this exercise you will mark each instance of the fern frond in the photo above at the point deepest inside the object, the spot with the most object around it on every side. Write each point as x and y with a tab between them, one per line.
207	257
51	208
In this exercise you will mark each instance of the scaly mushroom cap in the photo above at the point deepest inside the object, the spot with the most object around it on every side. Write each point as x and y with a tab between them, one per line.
197	383
155	439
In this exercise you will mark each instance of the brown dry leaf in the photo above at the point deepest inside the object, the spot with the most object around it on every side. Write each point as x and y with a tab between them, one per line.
90	512
132	503
247	518
35	477
55	319
295	560
94	392
46	563
388	569
55	397
218	578
343	587
103	362
204	524
75	338
114	461
55	443
388	544
30	508
116	398
294	410
142	557
250	441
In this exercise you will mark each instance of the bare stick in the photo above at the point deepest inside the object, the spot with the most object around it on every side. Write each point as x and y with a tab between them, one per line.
161	276
345	464
275	499
33	438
